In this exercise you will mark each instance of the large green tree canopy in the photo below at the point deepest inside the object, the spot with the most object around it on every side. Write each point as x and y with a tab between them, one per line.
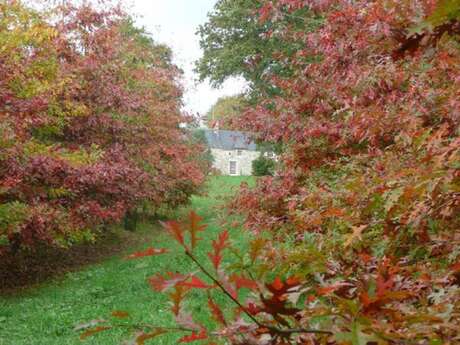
237	43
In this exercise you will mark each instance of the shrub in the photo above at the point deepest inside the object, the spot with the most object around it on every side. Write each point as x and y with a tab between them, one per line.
263	166
89	122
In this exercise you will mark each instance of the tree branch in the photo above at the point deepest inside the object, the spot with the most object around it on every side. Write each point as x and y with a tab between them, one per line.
274	329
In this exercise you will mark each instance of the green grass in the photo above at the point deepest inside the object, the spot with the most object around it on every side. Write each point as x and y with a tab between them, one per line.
46	315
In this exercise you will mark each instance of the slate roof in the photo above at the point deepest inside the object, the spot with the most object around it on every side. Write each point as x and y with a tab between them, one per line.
229	140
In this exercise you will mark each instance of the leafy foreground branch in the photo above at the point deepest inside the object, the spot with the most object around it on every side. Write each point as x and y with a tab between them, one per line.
373	307
271	318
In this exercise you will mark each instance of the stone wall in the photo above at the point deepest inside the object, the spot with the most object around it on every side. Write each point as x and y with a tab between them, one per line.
243	159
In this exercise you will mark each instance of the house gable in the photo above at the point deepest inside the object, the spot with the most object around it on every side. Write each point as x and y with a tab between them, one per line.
233	152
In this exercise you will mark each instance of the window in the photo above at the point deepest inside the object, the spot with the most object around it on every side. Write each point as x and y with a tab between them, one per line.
232	168
239	152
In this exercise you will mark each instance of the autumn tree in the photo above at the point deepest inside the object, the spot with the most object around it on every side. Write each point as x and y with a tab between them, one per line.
89	121
367	193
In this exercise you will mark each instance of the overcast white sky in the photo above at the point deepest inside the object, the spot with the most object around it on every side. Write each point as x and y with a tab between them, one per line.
175	23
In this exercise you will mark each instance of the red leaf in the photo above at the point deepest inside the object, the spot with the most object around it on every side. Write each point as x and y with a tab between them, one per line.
243	282
292	282
326	290
311	298
218	246
253	309
195	227
384	285
160	283
365	299
277	284
148	252
385	277
119	314
140	339
194	337
277	303
455	267
265	12
216	312
175	231
176	297
196	283
365	257
384	290
93	331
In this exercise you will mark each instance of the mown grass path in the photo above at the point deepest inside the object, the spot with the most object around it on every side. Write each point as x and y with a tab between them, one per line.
46	315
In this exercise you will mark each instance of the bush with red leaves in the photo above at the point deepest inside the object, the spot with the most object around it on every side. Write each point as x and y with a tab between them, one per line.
89	124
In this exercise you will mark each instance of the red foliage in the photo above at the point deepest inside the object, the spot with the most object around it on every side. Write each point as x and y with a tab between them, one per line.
243	282
218	246
368	180
216	312
195	228
89	120
277	304
175	231
160	283
195	283
148	252
194	337
178	232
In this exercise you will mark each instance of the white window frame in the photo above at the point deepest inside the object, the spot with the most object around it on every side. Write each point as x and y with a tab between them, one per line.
230	167
239	152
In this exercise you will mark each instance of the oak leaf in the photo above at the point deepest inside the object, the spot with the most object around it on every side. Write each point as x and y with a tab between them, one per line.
148	252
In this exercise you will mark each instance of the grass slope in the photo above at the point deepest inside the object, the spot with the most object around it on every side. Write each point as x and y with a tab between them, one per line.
47	314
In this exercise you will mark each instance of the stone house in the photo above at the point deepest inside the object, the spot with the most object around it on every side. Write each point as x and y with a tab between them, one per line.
232	151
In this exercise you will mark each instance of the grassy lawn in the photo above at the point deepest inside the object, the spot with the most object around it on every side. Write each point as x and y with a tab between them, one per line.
47	314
